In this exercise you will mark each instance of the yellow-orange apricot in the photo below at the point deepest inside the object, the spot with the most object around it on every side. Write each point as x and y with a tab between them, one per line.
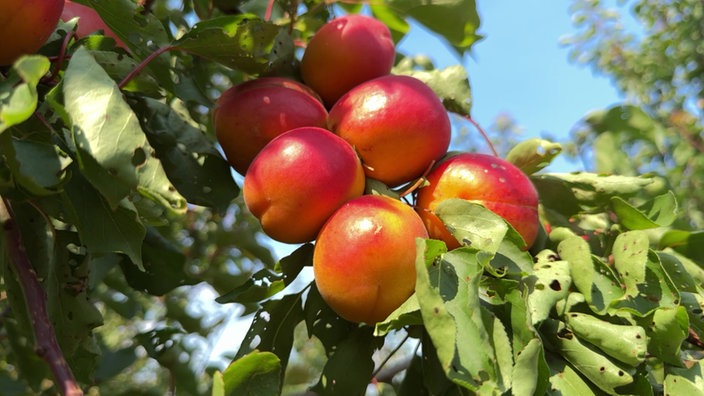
345	52
25	25
298	180
397	124
491	181
364	257
249	115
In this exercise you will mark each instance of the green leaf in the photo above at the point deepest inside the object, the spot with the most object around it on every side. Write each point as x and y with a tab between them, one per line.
694	304
188	156
550	283
573	193
451	84
660	212
242	42
408	314
626	343
599	369
448	294
531	371
648	287
567	381
685	381
111	148
272	328
457	21
592	277
472	224
18	94
532	155
38	168
260	286
349	369
257	373
103	229
164	266
667	329
218	385
142	32
323	323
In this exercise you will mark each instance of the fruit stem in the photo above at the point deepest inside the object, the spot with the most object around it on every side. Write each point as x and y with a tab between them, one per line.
45	344
418	182
138	69
269	9
483	133
61	57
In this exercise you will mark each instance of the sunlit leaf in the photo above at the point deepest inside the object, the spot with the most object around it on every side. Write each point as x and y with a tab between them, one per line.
660	212
257	373
18	94
451	84
532	155
626	343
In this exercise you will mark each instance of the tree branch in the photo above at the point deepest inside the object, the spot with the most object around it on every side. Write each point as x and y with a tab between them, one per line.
45	344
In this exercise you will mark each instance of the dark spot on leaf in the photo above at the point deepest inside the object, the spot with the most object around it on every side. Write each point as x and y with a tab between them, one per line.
436	310
69	315
553	257
638	336
112	171
697	311
620	373
602	369
539	286
555	285
574	315
139	157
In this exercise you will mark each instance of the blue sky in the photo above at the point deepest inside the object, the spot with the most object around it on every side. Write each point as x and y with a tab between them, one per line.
521	69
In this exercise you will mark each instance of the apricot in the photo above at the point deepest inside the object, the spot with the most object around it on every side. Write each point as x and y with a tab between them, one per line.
364	257
89	21
25	25
345	52
298	180
249	115
397	124
488	180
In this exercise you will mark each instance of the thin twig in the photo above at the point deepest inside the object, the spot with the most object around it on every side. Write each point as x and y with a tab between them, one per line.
138	69
388	357
45	344
483	133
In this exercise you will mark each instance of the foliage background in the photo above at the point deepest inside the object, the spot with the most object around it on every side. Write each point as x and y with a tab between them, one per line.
122	256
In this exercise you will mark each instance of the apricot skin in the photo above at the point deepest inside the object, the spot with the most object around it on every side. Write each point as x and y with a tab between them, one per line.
491	181
249	115
397	124
89	22
25	25
364	257
345	52
298	180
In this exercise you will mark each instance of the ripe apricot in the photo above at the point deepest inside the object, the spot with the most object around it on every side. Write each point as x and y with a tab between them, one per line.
491	181
25	25
298	180
249	115
89	21
345	52
397	124
364	257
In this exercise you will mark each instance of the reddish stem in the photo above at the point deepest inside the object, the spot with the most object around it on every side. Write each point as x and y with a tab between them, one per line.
483	133
45	344
418	182
138	69
269	10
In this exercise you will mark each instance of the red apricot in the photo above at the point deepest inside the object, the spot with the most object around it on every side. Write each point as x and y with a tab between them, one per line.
249	115
397	124
25	25
491	181
345	52
298	180
364	257
89	21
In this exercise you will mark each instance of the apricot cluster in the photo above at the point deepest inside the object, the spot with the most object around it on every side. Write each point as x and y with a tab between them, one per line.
307	148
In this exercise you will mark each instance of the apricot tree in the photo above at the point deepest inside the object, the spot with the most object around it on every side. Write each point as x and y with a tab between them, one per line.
122	212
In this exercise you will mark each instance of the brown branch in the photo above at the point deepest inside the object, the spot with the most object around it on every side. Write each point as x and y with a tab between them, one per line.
45	344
